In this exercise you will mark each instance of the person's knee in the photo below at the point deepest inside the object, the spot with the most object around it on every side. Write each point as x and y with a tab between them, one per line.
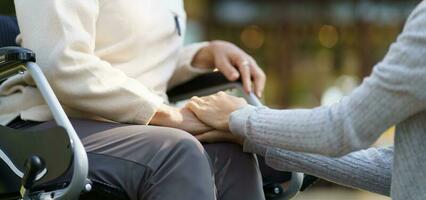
179	139
182	151
230	153
180	144
146	145
179	164
188	146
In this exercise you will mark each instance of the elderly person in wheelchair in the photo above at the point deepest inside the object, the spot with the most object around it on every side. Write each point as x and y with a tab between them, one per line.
110	63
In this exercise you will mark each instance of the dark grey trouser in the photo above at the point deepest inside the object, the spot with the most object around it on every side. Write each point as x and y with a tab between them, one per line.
149	162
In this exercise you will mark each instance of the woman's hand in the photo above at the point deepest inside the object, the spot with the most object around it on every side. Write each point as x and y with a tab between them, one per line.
191	123
216	136
179	118
233	63
216	109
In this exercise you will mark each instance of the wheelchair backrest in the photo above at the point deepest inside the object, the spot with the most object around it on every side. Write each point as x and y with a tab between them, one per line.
8	31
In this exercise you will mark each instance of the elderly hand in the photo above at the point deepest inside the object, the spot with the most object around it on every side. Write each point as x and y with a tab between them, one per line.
233	63
181	118
215	136
216	109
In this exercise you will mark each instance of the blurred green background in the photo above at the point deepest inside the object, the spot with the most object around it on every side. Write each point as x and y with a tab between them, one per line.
305	45
313	51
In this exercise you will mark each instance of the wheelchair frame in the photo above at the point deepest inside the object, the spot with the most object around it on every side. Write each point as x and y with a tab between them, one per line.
79	181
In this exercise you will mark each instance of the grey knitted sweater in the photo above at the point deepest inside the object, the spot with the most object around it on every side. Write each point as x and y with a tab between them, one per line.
395	93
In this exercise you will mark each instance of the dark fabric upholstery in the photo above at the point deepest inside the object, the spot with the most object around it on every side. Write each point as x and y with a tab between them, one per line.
8	31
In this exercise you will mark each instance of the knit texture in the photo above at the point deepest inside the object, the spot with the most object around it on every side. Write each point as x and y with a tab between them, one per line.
366	169
395	93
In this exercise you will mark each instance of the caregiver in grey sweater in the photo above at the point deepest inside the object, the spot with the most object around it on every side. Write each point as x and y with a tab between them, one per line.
395	93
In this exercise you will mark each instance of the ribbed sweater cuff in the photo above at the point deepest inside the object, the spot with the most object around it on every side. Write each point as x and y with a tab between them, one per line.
251	147
239	119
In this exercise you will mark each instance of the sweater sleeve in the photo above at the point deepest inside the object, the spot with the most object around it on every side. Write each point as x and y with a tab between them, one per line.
62	34
394	92
369	169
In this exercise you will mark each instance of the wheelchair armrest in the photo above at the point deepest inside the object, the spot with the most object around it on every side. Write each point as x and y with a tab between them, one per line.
205	84
12	60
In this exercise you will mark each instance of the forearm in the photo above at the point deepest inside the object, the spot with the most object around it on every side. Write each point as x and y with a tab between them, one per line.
167	116
366	169
393	93
192	62
352	124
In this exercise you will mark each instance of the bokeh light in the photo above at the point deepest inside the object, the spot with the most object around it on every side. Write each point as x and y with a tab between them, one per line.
328	36
252	37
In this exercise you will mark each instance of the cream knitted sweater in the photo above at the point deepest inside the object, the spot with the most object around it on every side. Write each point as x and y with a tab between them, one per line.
105	59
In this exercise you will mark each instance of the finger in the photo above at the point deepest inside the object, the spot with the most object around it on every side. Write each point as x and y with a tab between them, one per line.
195	104
223	96
259	79
244	68
207	137
225	66
197	100
207	100
194	107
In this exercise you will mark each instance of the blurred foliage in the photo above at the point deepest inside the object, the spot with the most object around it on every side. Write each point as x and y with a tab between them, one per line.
304	46
6	7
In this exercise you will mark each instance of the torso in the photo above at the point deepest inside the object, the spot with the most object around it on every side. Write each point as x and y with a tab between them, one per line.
146	30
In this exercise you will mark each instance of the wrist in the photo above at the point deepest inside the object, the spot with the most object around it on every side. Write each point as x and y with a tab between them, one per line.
203	59
167	116
237	120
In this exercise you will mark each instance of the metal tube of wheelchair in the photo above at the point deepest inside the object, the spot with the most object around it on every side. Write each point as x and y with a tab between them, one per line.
296	178
80	162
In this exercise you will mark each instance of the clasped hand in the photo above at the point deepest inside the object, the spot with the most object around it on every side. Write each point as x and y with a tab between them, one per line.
215	111
207	117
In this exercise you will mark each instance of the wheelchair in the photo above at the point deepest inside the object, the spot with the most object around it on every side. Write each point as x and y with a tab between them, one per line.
32	162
